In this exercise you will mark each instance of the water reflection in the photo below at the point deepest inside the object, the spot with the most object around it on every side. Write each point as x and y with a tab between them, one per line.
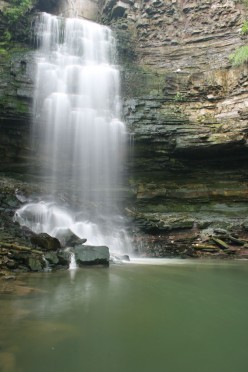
130	317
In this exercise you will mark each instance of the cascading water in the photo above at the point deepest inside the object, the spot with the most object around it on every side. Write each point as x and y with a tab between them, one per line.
82	139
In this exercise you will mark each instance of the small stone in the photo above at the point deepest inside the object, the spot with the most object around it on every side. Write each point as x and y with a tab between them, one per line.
125	257
9	277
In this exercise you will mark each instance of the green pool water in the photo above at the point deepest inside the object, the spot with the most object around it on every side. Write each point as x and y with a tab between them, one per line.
148	316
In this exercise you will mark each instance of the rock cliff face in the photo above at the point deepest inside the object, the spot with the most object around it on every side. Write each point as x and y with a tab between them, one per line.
88	9
16	85
186	110
17	73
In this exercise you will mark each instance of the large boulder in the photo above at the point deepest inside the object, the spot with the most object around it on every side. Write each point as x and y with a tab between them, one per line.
51	258
91	255
46	242
36	263
68	238
64	257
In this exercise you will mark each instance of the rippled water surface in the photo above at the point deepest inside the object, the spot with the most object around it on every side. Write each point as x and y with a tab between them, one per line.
148	316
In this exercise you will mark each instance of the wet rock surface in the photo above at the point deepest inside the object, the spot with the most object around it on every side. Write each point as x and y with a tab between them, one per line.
68	239
91	255
45	242
22	250
175	212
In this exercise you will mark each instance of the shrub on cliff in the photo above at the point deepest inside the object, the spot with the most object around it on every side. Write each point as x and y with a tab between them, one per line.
240	56
245	2
244	28
18	9
15	20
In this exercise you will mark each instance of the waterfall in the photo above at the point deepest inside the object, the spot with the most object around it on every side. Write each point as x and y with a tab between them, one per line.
73	264
80	134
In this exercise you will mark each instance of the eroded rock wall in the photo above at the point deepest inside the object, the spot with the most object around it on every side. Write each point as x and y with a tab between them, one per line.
88	9
16	86
186	108
17	73
189	34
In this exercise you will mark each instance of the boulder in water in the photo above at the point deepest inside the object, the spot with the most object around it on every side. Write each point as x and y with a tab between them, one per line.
52	258
36	264
64	258
125	257
45	241
91	255
119	259
69	238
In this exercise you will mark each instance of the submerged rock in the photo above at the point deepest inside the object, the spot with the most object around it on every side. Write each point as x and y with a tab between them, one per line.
91	255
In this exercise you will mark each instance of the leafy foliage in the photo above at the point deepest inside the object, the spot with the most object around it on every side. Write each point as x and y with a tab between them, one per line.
245	2
17	10
179	97
240	56
244	28
16	20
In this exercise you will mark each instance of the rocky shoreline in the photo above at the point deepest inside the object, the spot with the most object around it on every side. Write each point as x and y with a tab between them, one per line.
151	235
21	250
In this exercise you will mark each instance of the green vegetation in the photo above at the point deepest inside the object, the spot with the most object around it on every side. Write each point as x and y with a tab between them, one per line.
244	28
7	36
240	56
3	52
179	97
16	21
17	10
13	104
245	2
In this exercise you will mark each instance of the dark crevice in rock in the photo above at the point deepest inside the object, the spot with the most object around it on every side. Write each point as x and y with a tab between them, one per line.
46	5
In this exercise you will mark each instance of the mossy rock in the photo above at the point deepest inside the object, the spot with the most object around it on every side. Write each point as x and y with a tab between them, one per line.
46	242
36	263
91	255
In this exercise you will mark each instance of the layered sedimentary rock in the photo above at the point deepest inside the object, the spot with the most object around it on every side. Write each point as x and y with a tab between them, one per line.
16	86
88	9
186	108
